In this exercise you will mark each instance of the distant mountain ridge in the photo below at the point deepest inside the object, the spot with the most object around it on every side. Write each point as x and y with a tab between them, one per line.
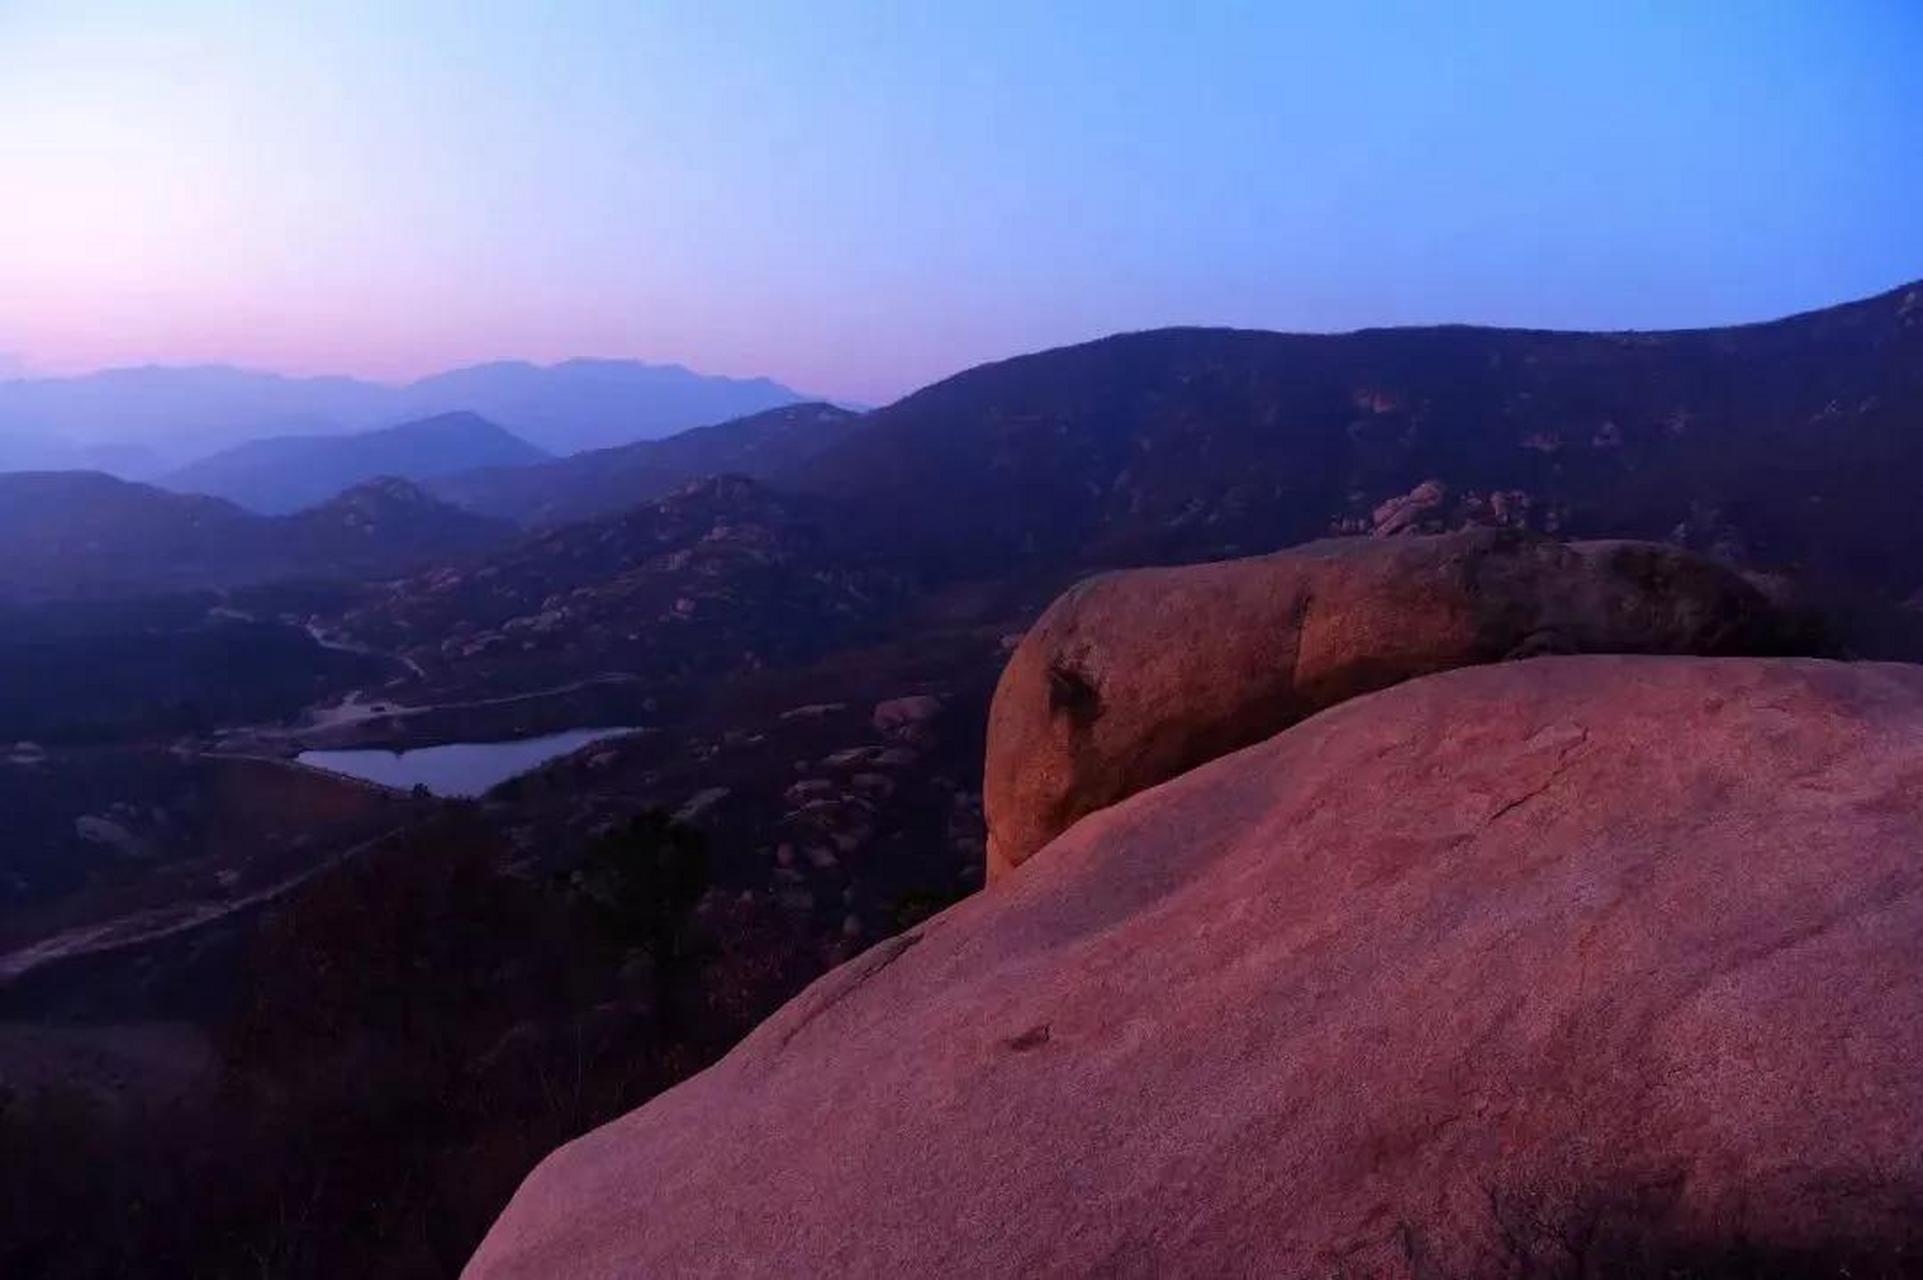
604	482
33	451
1789	445
78	533
723	574
593	404
183	413
281	474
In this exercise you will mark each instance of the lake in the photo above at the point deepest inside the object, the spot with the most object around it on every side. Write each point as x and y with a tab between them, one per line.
456	768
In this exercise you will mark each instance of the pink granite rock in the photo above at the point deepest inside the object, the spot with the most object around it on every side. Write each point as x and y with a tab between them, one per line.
1131	678
1563	932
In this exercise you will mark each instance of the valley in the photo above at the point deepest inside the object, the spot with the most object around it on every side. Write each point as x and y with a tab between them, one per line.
772	640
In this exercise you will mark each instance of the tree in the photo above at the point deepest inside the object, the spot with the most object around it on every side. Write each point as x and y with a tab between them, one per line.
641	882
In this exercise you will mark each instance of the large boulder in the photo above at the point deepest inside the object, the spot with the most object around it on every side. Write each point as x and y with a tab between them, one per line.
1132	677
1612	958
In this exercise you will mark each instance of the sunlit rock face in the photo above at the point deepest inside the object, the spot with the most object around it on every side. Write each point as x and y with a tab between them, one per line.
1133	677
1621	950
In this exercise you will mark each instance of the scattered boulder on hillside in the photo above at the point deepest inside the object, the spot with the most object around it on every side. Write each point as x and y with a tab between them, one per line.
697	805
906	719
1402	514
814	711
106	831
1131	678
1611	953
26	754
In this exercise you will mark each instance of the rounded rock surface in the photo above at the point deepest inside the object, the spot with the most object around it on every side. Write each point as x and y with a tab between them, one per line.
1571	931
1132	677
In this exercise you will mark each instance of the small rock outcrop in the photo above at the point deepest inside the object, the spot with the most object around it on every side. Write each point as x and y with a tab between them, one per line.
1131	678
1400	515
906	719
1618	951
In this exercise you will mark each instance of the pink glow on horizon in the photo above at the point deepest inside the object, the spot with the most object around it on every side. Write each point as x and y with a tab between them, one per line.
396	344
388	334
857	201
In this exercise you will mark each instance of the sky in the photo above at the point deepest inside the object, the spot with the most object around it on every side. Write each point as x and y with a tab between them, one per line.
858	198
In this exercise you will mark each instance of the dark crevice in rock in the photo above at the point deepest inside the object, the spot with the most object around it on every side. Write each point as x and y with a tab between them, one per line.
858	971
1033	1038
1073	694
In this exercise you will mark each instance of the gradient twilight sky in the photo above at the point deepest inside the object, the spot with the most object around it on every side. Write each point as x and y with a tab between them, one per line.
857	198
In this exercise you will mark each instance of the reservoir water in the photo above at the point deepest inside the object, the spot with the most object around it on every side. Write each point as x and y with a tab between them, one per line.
456	768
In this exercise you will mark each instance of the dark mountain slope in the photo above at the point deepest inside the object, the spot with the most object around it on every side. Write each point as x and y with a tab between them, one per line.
724	575
76	533
159	667
287	473
381	527
604	481
1794	443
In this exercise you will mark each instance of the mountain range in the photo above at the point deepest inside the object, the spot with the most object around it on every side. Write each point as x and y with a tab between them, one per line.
286	473
593	404
602	482
1788	446
79	533
143	421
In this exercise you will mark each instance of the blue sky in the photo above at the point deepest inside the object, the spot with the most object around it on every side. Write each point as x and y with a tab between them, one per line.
859	198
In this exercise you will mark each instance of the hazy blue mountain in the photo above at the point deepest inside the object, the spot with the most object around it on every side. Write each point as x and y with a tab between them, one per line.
183	413
601	482
36	451
179	413
285	473
591	404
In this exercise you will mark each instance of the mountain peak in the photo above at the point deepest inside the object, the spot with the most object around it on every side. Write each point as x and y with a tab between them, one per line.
396	490
287	473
